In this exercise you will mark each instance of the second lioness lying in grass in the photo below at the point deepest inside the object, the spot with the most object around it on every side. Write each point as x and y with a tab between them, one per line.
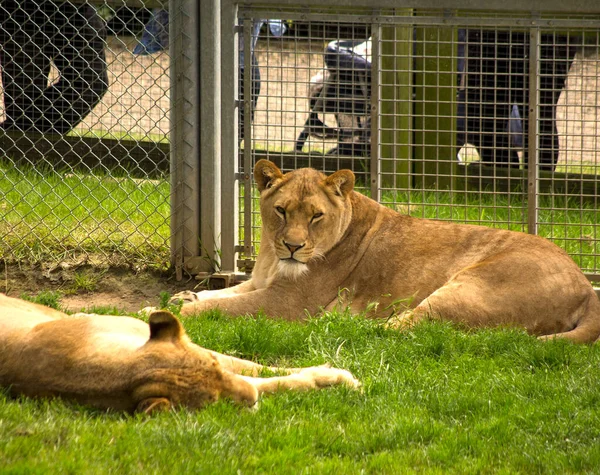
320	237
125	364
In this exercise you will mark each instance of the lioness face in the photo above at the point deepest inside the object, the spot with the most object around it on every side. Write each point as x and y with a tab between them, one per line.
181	373
304	213
189	376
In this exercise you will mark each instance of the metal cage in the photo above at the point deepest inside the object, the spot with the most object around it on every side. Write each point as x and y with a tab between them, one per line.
482	116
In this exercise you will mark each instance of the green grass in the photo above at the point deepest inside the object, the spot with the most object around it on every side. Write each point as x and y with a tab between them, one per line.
45	214
48	298
436	399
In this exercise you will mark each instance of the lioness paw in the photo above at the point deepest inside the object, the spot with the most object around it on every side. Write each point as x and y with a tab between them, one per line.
404	321
186	296
324	376
146	311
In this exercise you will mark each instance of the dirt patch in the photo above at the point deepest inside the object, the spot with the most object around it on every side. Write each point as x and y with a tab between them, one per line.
87	287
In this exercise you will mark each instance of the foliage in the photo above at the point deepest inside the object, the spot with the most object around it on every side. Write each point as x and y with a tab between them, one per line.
48	298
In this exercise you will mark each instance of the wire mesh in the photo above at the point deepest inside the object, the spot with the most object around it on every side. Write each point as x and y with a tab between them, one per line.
475	117
84	133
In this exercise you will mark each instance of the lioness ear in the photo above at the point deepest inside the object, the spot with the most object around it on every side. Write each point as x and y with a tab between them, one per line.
164	326
266	174
153	404
341	182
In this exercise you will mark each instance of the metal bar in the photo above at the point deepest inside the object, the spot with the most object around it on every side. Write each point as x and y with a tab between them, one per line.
229	128
533	133
127	3
209	95
376	81
574	6
523	23
542	6
141	158
247	172
176	221
185	146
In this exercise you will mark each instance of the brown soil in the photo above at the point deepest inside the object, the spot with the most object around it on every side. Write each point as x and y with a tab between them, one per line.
83	288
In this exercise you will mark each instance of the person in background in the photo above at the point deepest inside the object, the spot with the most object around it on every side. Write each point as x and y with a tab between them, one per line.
34	35
155	38
493	97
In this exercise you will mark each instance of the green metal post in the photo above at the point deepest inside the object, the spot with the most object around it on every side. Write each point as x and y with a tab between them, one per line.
435	107
396	104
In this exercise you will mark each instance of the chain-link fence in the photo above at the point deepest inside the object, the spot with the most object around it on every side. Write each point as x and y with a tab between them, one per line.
123	139
85	132
485	117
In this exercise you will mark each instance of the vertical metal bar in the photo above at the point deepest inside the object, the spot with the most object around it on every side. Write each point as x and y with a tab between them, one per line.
210	132
533	135
229	133
375	83
185	126
247	173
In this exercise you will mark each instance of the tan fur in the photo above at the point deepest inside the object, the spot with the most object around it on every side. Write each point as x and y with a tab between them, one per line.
125	364
399	267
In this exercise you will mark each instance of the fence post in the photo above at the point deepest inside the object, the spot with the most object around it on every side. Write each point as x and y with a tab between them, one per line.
210	133
229	133
195	134
435	107
533	170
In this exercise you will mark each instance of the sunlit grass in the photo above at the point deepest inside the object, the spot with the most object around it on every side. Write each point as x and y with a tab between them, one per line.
45	213
435	399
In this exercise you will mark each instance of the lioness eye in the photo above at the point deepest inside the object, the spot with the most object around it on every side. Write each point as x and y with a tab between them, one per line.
316	216
280	210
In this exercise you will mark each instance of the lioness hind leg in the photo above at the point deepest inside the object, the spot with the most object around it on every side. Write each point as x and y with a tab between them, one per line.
406	319
476	300
459	302
587	329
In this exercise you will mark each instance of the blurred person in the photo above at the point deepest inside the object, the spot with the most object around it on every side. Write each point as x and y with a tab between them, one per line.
493	97
34	35
155	38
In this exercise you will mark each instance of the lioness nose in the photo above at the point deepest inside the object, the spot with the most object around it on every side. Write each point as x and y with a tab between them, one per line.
292	246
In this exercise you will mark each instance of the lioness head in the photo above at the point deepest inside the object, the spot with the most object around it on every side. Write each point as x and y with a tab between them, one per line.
304	213
176	372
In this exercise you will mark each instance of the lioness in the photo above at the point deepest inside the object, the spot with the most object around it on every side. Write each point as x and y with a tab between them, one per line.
319	237
125	364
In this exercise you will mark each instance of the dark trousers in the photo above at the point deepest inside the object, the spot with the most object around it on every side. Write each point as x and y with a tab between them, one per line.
496	78
255	92
32	36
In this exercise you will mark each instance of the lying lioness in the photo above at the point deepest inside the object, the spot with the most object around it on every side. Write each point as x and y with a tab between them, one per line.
125	364
320	237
